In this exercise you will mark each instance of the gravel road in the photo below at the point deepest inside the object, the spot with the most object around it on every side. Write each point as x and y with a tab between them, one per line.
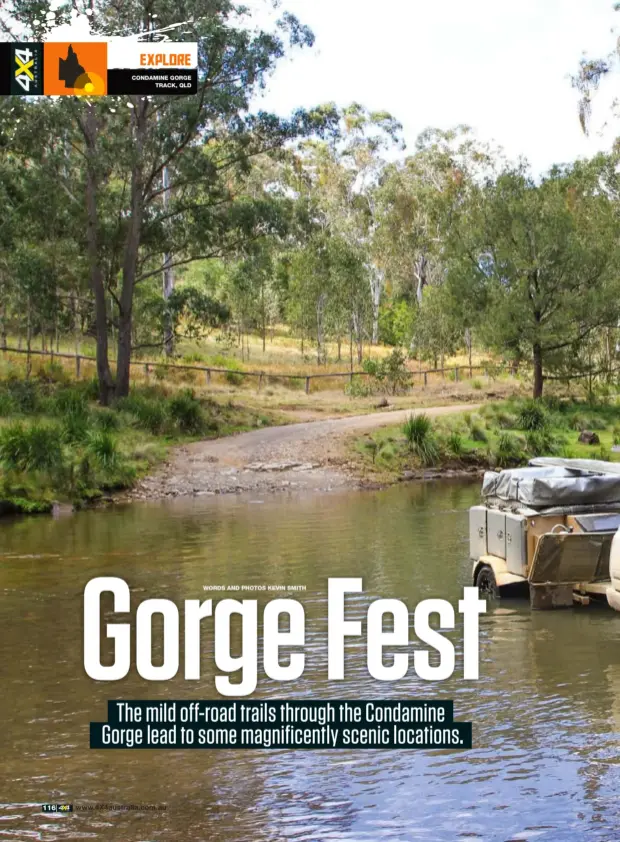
296	457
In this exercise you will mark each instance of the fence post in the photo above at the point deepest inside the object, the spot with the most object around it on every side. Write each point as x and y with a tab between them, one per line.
425	379
260	380
471	372
456	374
307	385
351	378
208	373
77	367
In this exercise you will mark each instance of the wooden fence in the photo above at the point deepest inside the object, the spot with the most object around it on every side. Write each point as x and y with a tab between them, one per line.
459	372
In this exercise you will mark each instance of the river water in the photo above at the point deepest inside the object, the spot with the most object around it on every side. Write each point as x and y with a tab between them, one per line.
546	710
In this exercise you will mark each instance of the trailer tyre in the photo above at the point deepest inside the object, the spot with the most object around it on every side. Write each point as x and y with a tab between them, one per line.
486	582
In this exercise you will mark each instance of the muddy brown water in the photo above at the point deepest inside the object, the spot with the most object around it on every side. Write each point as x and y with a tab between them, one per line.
546	710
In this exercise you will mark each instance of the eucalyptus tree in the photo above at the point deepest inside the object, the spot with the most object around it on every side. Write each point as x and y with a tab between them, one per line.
340	178
123	147
540	264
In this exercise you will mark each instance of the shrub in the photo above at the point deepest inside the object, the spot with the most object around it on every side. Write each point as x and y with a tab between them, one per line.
541	443
509	451
35	448
151	415
106	420
554	403
390	373
478	433
505	420
53	372
90	389
418	432
25	396
358	389
455	445
428	451
603	453
372	447
476	384
532	416
75	426
69	401
417	429
7	405
187	412
233	378
371	367
102	447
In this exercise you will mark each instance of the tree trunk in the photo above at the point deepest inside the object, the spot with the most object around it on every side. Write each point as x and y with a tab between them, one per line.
264	315
28	341
376	288
130	260
168	288
538	370
3	336
104	375
420	274
168	279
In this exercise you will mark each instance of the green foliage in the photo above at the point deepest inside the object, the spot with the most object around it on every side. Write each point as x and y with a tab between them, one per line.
358	388
372	446
541	442
391	373
24	396
8	405
546	279
581	422
396	323
53	372
456	446
30	448
150	414
187	413
417	429
428	452
532	416
477	384
509	451
477	432
103	448
106	420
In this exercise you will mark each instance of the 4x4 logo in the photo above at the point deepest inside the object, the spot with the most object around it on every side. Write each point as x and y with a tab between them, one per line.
24	59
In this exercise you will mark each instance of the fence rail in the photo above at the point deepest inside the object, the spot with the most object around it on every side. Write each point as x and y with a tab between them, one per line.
149	366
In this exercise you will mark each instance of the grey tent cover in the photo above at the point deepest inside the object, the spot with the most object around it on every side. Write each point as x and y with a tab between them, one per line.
561	484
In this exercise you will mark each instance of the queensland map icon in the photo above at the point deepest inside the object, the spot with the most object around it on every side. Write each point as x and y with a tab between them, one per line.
71	72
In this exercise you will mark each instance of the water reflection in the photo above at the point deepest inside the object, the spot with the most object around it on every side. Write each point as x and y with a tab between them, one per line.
546	710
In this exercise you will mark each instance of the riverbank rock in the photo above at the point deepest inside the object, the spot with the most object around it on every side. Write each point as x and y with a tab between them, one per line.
383	403
588	437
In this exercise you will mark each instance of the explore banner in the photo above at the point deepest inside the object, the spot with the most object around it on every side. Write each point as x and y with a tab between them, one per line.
97	68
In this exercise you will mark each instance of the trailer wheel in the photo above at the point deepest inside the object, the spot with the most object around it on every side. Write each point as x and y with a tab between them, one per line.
486	582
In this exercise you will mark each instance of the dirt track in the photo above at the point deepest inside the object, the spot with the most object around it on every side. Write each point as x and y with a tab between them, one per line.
295	457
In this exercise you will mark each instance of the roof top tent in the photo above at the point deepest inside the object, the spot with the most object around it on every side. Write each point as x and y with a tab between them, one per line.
547	528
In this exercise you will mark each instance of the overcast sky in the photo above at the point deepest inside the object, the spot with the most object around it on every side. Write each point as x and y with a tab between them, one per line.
500	66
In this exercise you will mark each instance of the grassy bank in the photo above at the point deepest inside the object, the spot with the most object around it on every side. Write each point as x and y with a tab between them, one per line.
501	435
57	444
